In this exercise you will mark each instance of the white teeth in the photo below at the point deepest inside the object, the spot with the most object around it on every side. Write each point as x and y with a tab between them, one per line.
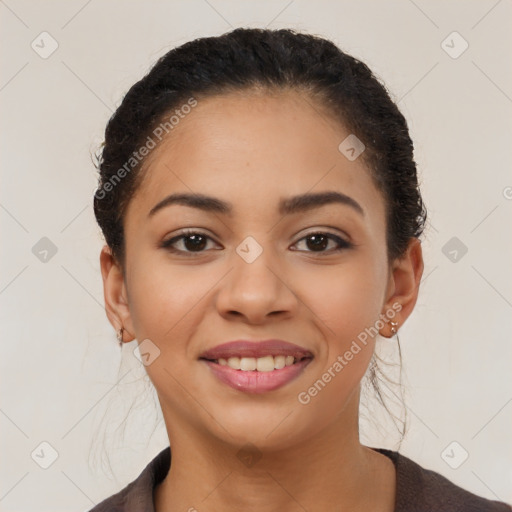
279	362
261	364
265	364
248	363
234	362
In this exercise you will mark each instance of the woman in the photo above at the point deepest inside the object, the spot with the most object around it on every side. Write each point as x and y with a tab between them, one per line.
260	205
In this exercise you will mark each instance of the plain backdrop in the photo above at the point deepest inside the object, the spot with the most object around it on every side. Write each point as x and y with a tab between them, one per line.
65	67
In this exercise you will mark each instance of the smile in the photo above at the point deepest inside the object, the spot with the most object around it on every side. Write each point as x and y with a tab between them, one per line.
257	375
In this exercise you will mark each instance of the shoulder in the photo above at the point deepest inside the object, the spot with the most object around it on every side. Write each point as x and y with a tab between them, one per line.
421	490
137	496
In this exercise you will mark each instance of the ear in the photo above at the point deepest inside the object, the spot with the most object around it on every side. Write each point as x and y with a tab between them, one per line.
403	287
115	295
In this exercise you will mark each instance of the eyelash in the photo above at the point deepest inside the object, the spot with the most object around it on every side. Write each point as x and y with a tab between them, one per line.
168	244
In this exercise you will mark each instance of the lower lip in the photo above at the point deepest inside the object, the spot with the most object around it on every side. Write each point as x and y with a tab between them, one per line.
254	381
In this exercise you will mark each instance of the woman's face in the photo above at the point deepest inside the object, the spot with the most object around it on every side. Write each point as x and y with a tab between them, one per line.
269	265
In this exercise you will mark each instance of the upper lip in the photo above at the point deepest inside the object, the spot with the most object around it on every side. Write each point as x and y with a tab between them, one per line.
244	348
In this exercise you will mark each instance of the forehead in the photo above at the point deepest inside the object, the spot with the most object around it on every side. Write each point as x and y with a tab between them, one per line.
249	147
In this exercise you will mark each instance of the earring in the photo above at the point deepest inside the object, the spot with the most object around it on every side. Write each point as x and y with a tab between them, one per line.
120	336
394	329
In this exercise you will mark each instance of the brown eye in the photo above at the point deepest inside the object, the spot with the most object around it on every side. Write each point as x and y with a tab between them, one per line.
188	242
318	242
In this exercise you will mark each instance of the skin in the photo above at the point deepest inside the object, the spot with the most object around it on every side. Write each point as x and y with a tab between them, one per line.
252	150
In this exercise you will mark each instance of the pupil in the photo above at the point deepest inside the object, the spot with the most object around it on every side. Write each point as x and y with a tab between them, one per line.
199	242
319	241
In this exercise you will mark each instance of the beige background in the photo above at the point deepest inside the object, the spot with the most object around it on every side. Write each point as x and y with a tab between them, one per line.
61	371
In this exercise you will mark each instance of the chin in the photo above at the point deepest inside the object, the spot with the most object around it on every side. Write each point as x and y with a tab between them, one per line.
269	429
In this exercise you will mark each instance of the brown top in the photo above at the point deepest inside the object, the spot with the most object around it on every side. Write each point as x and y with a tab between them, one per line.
417	490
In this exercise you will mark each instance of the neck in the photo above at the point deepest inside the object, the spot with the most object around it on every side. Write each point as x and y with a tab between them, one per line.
330	468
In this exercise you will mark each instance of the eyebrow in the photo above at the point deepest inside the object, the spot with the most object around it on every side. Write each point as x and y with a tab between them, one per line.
287	206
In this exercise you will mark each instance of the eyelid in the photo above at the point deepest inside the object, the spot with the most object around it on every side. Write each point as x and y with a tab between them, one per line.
343	242
326	230
168	243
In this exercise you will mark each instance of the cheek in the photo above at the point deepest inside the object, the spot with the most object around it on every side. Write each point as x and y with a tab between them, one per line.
166	307
345	300
162	299
348	310
346	303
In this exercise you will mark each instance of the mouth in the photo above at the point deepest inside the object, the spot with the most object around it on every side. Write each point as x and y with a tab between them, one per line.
257	367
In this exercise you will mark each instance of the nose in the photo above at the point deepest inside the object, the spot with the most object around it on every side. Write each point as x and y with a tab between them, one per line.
257	291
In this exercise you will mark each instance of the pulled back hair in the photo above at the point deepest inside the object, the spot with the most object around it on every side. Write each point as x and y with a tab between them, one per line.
268	60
